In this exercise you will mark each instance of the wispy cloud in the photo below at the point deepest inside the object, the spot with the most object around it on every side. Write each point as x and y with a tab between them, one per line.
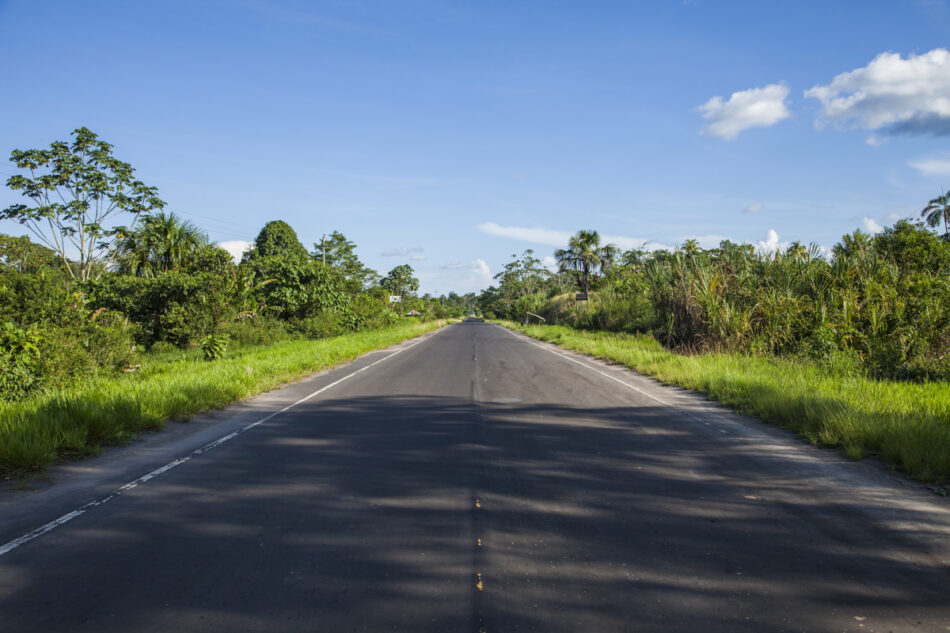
756	107
554	237
474	276
891	94
537	235
752	208
932	166
401	251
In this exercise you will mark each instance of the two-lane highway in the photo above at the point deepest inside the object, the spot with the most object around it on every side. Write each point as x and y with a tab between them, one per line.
479	481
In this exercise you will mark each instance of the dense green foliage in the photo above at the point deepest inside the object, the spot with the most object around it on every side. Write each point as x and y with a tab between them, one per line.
879	304
110	409
159	284
904	423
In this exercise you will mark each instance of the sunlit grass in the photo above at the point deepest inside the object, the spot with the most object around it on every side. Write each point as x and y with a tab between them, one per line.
906	424
78	421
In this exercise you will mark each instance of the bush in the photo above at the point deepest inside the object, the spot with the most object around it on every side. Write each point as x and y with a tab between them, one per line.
175	307
256	330
37	357
20	367
214	346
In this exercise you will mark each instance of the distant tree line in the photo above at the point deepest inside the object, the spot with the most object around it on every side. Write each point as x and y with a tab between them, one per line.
877	304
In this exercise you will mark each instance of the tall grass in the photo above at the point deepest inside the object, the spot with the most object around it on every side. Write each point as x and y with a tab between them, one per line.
905	424
74	422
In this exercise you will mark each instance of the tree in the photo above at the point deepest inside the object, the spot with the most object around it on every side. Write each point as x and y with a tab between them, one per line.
691	248
585	257
159	243
338	252
936	210
75	189
277	239
399	281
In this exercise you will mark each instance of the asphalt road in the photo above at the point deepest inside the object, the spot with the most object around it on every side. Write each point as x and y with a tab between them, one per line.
477	480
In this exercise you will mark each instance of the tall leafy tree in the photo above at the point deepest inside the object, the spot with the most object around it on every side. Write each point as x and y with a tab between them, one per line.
158	243
400	280
585	257
938	210
75	190
340	253
277	239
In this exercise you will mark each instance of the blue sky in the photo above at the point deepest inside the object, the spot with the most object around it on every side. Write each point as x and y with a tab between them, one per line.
450	135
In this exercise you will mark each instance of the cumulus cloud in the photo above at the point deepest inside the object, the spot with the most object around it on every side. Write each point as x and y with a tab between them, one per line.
871	226
481	273
772	243
236	248
752	208
891	94
932	166
756	107
550	263
401	251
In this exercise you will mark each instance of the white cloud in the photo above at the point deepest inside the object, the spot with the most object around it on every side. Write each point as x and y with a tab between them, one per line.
459	277
417	258
526	234
874	141
756	107
553	237
752	208
550	263
481	273
932	167
894	217
891	94
871	226
236	248
772	243
401	251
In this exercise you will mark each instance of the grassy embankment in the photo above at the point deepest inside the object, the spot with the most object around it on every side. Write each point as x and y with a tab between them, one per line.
905	424
110	410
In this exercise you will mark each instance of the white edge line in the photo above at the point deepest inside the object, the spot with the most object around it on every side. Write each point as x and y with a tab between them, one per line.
66	518
556	352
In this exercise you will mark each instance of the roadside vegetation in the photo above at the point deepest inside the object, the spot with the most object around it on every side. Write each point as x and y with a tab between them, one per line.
114	291
907	424
848	347
111	409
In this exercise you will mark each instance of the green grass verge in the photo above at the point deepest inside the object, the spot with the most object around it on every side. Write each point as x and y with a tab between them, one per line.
110	410
905	424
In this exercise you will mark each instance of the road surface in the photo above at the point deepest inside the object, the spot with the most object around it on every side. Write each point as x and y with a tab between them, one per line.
475	480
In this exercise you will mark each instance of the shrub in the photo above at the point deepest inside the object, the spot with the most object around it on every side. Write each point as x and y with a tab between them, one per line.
214	346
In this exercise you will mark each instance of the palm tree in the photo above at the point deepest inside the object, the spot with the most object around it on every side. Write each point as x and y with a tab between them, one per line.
584	256
159	243
691	247
936	210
